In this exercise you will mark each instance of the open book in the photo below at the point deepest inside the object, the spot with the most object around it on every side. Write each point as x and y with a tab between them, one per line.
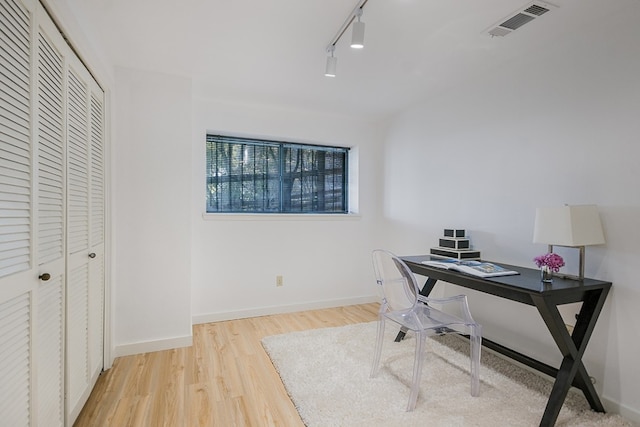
475	268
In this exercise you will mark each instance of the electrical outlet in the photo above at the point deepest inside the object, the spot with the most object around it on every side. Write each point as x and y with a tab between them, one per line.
279	281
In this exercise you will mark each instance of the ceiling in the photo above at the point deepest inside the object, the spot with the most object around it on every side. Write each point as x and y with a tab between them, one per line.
274	51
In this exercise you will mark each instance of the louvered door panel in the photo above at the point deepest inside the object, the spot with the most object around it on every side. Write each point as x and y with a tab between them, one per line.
77	338
50	362
50	164
97	215
16	210
96	313
77	164
97	168
79	373
15	138
15	367
50	152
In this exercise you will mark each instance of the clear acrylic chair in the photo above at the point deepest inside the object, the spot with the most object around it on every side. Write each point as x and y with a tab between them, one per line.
403	305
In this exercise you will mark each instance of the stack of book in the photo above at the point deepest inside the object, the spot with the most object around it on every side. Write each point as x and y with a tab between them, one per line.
454	244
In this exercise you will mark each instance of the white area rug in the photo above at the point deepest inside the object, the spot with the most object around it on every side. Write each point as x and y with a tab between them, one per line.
326	373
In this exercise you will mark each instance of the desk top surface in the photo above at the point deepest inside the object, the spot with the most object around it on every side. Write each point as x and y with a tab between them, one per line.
519	287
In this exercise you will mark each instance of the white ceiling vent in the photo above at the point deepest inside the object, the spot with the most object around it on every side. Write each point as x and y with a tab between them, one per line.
517	19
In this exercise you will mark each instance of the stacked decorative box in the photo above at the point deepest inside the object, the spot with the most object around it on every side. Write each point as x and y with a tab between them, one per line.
455	244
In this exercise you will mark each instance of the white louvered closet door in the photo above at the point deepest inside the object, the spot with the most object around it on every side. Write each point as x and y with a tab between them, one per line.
96	232
85	235
51	222
18	276
50	234
31	217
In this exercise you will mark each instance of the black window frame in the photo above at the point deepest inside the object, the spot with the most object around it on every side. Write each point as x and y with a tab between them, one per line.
317	185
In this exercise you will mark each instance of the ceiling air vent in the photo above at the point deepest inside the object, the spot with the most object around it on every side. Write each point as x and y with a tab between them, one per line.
517	19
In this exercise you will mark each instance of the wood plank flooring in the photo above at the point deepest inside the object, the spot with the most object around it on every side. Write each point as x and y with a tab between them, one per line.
225	379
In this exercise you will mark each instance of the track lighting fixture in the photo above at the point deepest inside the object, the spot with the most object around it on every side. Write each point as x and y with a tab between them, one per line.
357	34
357	37
332	61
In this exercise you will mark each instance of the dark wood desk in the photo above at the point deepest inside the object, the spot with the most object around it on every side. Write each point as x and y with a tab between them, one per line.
527	288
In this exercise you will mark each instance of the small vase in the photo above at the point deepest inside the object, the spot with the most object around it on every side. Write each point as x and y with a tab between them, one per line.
546	274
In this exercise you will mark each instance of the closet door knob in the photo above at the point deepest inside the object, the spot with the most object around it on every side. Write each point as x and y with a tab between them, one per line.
92	255
44	277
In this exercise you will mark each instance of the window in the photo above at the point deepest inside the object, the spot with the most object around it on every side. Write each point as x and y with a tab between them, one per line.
258	176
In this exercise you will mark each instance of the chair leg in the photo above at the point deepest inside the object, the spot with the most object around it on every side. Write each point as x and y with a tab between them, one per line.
476	346
378	349
417	370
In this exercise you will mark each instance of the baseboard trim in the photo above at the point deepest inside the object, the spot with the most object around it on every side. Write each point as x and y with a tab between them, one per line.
612	406
187	341
630	414
150	346
279	309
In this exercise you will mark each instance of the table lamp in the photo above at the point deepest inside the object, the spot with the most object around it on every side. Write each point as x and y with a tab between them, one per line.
571	226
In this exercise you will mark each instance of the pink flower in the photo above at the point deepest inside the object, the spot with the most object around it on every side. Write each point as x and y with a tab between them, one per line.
551	260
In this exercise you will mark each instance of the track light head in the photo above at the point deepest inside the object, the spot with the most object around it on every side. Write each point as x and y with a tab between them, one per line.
332	61
357	34
357	40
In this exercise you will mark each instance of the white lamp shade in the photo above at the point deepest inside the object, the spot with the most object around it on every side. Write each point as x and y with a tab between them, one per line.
577	225
357	35
330	70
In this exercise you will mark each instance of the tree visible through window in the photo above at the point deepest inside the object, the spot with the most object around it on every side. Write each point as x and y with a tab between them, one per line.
259	176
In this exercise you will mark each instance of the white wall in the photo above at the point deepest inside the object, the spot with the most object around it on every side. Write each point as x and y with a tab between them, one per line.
560	128
151	211
325	261
173	266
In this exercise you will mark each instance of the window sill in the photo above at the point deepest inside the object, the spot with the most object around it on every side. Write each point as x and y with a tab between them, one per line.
279	217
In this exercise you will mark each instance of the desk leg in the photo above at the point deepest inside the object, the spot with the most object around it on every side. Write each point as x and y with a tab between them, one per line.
425	291
428	287
585	323
572	347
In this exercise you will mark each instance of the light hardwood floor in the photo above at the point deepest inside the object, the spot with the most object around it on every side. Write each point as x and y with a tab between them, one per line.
225	379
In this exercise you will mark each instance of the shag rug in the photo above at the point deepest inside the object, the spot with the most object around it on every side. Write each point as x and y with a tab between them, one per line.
326	373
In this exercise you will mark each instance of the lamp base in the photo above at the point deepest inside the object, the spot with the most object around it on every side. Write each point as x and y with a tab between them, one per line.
580	275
